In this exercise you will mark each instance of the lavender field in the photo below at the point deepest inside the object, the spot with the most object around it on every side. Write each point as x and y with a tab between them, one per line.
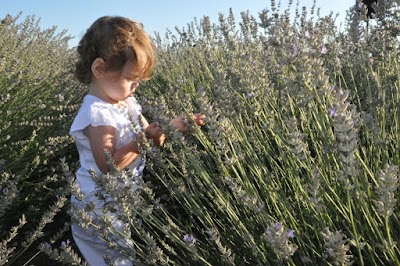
297	164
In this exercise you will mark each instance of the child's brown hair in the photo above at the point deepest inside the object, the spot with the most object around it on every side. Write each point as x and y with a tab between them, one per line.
116	40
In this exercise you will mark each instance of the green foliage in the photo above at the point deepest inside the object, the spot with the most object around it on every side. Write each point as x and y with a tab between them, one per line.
302	126
36	108
297	163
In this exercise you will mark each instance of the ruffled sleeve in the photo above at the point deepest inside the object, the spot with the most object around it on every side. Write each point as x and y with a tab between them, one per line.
101	116
93	114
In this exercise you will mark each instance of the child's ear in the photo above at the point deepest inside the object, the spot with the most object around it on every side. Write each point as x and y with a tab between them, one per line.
98	68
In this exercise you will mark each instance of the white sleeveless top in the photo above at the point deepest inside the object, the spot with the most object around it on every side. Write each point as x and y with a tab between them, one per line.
96	112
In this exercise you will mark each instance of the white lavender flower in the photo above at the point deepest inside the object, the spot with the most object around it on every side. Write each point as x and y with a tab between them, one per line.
386	188
346	128
337	248
315	191
296	139
278	238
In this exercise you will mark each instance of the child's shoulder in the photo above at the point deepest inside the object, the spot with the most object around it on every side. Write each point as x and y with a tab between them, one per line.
95	112
92	104
93	101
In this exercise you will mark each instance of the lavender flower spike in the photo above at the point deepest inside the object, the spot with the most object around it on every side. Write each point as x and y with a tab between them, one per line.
332	112
324	50
189	239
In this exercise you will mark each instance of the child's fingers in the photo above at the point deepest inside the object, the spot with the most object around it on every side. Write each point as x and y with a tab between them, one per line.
199	119
152	125
153	130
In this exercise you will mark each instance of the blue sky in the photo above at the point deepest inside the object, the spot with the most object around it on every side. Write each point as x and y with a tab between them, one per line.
156	15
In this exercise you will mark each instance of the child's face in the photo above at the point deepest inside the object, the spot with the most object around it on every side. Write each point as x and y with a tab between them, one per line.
119	85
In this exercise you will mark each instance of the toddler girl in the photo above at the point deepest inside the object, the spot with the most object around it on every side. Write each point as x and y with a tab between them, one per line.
115	54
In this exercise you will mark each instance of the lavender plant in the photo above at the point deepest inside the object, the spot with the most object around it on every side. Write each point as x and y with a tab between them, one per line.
285	112
35	110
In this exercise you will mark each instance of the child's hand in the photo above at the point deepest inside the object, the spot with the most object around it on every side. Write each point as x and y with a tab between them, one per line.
180	124
153	131
199	119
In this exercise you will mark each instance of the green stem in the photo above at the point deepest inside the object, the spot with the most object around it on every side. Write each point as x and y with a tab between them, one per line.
390	241
353	227
34	256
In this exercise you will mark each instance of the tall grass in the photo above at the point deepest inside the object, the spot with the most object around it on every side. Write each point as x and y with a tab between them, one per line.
297	163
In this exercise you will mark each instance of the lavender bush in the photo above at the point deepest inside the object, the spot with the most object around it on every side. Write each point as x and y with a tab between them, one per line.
296	165
36	88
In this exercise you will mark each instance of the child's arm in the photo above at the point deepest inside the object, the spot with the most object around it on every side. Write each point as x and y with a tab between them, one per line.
180	124
153	131
103	137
